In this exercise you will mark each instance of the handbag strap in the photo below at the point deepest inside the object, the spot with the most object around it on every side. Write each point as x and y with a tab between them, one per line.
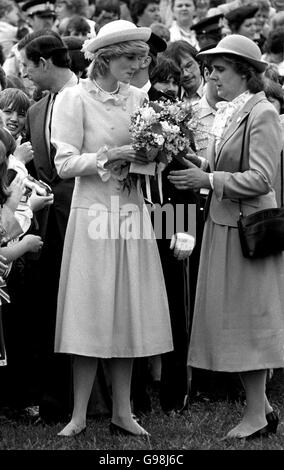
240	167
241	160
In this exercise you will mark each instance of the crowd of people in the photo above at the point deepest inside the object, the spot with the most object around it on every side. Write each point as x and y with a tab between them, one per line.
100	317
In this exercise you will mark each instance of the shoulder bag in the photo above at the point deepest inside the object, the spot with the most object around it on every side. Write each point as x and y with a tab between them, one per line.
262	233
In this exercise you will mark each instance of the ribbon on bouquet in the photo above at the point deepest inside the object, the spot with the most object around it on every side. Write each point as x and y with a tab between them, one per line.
148	170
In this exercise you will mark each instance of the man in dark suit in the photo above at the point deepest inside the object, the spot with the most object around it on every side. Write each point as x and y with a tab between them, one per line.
173	385
45	61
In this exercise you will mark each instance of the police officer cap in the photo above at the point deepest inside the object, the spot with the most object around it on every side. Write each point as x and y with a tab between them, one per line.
39	7
208	25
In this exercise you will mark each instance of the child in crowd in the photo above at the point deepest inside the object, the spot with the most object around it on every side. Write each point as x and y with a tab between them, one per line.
10	229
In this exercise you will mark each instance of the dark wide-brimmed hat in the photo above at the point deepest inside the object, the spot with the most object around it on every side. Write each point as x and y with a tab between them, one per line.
240	14
239	46
156	44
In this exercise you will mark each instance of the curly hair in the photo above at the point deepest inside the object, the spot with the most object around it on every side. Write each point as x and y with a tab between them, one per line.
100	63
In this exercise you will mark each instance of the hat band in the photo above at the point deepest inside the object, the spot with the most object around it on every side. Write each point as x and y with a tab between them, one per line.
40	8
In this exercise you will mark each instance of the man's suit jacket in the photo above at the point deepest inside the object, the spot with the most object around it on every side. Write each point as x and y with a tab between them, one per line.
262	148
44	163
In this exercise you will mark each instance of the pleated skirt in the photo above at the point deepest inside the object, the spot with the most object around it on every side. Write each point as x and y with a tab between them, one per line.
112	299
238	322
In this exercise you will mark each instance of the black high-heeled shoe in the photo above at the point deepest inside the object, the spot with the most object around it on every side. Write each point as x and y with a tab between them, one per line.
272	419
263	432
118	430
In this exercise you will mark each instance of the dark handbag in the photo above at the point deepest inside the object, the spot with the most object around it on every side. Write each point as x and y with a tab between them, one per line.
262	233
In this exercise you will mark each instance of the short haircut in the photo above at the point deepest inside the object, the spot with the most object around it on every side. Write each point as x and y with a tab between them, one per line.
137	8
100	63
48	47
14	99
164	70
36	34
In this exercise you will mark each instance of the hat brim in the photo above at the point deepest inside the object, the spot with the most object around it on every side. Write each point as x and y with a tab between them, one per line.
138	34
260	65
43	14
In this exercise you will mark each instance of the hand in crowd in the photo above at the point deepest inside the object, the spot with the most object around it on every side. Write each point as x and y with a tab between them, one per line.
190	178
126	153
16	190
24	152
33	243
182	244
39	202
3	264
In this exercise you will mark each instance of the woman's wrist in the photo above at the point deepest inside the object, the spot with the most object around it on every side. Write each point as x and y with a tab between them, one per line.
211	181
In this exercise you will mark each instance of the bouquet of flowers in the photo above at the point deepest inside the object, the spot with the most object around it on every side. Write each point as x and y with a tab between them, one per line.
163	130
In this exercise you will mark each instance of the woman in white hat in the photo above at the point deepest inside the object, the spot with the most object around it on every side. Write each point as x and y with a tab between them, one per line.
238	323
112	300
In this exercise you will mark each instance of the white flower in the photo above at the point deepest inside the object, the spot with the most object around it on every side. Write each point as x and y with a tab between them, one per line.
159	139
148	115
88	55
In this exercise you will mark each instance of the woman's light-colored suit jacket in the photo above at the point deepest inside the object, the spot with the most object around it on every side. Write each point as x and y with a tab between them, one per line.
262	148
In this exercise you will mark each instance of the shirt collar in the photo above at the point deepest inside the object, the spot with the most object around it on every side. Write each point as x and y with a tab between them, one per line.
146	87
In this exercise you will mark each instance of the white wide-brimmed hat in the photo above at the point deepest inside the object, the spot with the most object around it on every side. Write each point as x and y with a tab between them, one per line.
115	32
240	46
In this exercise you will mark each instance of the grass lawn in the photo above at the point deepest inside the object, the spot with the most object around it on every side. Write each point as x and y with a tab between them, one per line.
200	428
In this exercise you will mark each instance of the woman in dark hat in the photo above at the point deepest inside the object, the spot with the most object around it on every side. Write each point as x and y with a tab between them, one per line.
238	323
242	21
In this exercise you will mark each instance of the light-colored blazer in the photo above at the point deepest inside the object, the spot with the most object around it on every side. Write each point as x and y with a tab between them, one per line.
254	185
